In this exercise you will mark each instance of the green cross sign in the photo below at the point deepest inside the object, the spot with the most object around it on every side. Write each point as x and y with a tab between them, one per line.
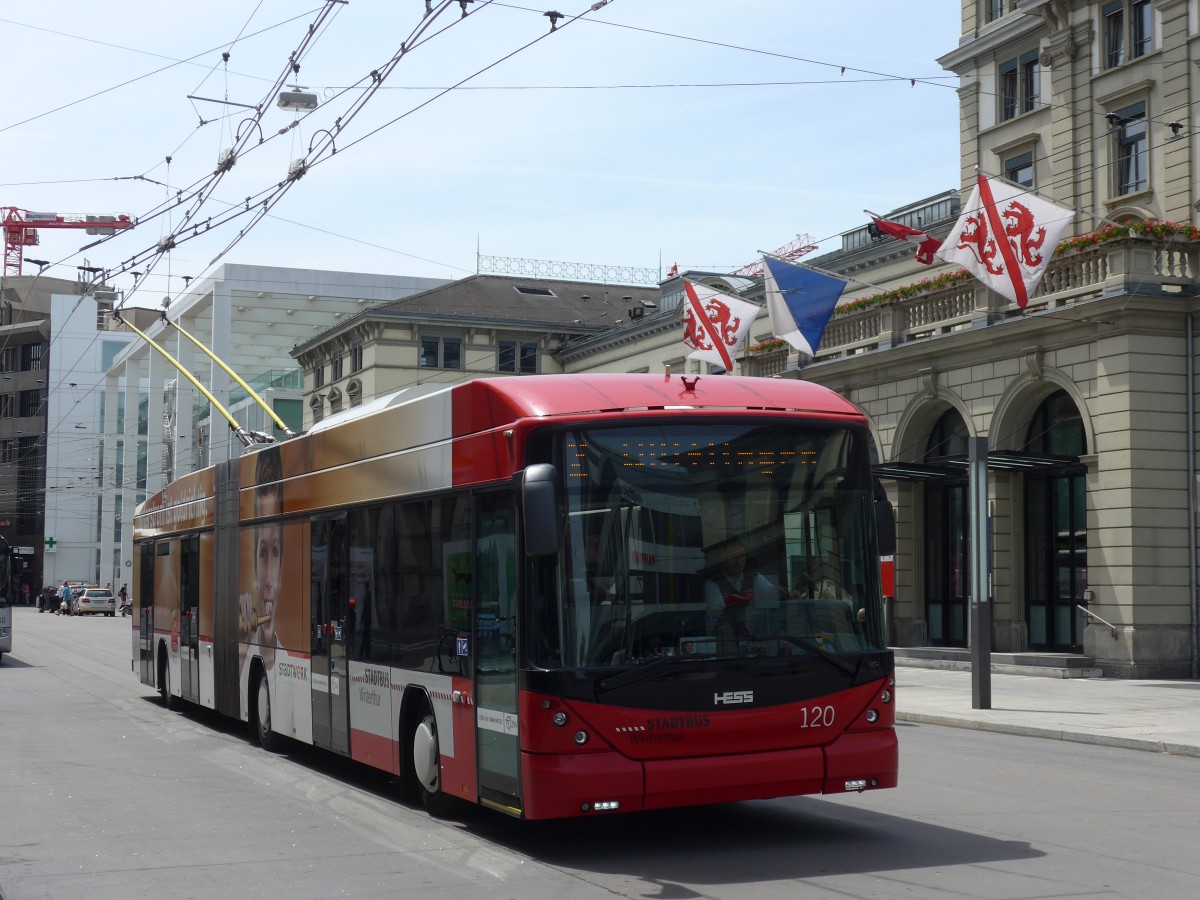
50	542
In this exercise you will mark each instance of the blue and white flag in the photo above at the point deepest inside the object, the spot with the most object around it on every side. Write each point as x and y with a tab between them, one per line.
799	302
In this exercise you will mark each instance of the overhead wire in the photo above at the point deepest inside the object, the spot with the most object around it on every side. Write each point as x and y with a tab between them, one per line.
328	143
914	80
256	205
293	60
91	40
193	196
359	105
102	92
229	49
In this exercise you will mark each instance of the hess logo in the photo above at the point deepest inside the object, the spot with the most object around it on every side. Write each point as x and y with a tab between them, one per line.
729	698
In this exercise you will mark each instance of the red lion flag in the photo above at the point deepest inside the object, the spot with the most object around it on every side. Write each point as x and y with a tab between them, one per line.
715	323
1006	237
926	245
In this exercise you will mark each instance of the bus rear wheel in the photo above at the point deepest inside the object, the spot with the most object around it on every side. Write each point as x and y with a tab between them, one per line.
426	764
262	715
164	680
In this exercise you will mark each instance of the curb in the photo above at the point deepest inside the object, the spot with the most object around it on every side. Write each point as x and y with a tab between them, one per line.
1101	740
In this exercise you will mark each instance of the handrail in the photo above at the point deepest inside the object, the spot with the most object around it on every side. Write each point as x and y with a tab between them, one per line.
1088	612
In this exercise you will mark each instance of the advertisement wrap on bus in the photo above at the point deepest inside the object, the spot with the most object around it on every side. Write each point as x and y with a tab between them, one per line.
7	597
554	596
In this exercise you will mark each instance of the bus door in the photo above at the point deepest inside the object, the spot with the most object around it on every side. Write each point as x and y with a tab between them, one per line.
498	744
144	591
330	635
189	618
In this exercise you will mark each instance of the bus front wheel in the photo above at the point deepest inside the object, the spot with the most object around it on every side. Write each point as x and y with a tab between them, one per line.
426	764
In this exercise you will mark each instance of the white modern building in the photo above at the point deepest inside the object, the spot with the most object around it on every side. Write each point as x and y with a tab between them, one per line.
251	317
78	468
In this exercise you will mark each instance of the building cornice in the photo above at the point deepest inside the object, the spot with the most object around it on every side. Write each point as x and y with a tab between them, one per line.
987	41
364	320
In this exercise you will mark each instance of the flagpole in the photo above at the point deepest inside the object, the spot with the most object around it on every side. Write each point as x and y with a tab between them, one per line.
734	295
821	271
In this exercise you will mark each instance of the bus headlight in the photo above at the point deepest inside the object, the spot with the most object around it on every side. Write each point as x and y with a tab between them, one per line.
581	738
559	718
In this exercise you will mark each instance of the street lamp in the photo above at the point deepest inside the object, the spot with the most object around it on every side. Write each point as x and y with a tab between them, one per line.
296	98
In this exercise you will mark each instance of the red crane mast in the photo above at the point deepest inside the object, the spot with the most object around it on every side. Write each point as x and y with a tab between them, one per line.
799	247
21	230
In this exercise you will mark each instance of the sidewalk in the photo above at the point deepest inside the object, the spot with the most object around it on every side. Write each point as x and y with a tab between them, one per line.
1162	716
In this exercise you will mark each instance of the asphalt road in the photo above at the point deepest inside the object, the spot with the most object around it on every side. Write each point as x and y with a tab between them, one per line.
104	793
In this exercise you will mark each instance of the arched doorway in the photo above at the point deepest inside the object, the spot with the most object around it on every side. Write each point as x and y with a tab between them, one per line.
947	549
1056	528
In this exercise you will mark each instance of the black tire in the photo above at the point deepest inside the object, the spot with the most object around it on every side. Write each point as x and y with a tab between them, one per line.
425	771
164	680
267	739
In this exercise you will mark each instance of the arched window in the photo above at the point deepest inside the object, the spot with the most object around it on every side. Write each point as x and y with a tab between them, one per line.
317	405
1056	428
948	437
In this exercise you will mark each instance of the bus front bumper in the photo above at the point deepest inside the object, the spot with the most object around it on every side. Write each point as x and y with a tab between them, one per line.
566	785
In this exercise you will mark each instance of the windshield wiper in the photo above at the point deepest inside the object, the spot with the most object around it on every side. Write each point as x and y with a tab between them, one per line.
639	673
817	649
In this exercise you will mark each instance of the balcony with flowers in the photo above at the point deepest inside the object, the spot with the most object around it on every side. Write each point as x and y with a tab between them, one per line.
768	357
1154	256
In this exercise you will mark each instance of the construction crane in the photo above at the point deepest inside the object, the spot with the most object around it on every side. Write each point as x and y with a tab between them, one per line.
801	245
21	230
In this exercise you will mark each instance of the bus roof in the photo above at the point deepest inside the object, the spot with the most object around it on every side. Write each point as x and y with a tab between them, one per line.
473	412
495	401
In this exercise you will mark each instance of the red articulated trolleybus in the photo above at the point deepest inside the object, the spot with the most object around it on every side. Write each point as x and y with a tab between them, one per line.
556	596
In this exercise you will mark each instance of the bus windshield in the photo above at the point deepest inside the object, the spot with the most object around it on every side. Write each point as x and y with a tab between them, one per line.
727	539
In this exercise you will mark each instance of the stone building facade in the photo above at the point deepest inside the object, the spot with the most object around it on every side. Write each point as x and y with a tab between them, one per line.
1088	396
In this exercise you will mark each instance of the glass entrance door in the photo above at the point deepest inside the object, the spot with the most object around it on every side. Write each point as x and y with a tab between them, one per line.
1056	512
330	609
498	743
948	561
947	537
189	618
1056	529
145	595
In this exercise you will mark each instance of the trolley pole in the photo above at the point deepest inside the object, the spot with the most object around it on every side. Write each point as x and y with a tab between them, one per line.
981	607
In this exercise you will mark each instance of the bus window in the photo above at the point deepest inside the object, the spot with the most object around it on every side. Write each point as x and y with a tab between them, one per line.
652	513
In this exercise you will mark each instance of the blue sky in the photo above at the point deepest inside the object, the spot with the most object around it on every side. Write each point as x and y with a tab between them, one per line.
574	149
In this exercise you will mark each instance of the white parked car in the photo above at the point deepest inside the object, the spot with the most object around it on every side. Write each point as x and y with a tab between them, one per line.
95	600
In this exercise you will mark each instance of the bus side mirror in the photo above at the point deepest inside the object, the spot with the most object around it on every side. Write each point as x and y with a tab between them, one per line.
885	522
539	504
